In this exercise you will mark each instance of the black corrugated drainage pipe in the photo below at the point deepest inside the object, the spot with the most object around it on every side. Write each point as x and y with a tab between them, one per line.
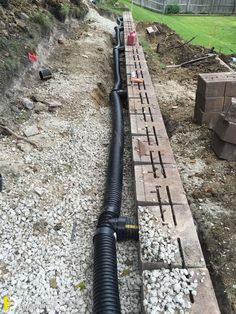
110	226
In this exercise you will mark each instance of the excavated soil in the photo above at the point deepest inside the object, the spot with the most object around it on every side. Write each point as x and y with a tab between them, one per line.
210	183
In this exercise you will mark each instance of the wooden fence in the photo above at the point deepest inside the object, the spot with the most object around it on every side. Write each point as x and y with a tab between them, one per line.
192	6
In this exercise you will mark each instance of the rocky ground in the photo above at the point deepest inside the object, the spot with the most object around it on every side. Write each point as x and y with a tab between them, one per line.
53	190
53	184
22	26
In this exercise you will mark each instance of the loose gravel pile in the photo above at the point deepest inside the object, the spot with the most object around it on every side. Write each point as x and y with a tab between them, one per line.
168	291
53	195
156	238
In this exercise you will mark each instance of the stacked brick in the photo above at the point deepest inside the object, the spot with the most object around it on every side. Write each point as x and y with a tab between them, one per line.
213	96
224	138
160	197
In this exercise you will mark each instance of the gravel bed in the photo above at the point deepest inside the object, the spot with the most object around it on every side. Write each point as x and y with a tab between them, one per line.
167	291
157	244
53	196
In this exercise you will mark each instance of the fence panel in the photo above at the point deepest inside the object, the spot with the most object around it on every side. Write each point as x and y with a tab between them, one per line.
192	6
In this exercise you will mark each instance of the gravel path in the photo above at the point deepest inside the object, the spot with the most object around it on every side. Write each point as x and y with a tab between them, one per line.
52	195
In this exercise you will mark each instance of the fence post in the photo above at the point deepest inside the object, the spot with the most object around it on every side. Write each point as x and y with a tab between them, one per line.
211	9
164	6
187	6
234	7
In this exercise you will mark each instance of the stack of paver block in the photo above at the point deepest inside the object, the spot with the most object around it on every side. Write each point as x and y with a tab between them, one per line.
213	96
224	138
160	197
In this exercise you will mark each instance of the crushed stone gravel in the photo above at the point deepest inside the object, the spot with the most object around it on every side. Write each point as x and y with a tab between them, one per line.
53	196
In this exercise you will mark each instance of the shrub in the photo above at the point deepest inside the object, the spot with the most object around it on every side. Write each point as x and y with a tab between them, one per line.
64	11
172	9
44	21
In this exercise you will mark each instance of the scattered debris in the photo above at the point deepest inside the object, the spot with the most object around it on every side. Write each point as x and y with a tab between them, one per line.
192	61
32	57
135	79
80	285
179	46
19	137
31	131
53	283
45	74
152	30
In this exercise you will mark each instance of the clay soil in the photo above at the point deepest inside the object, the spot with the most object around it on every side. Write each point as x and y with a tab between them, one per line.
210	183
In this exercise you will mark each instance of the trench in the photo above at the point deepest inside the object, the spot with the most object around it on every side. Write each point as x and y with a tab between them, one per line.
46	251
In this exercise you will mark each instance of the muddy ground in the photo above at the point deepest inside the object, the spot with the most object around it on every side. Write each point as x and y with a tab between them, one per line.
210	183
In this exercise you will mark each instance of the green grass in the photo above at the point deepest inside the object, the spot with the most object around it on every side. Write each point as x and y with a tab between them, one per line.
211	31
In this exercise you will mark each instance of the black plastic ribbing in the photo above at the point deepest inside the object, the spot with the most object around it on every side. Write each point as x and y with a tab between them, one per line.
105	285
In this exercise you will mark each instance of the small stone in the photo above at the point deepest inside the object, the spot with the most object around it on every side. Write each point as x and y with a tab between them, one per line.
39	191
61	40
31	131
15	109
2	24
23	16
21	24
27	103
24	147
40	107
58	226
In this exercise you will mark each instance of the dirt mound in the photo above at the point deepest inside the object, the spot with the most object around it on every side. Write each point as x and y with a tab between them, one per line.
23	24
174	50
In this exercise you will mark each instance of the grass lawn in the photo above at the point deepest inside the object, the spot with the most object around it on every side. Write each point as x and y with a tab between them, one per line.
211	31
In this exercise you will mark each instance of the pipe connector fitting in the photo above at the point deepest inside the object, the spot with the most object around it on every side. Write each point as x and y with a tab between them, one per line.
125	228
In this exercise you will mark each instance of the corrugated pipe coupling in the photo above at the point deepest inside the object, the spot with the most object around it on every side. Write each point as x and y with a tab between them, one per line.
125	228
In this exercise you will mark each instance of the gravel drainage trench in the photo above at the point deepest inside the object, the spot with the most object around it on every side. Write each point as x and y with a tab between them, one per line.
52	195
